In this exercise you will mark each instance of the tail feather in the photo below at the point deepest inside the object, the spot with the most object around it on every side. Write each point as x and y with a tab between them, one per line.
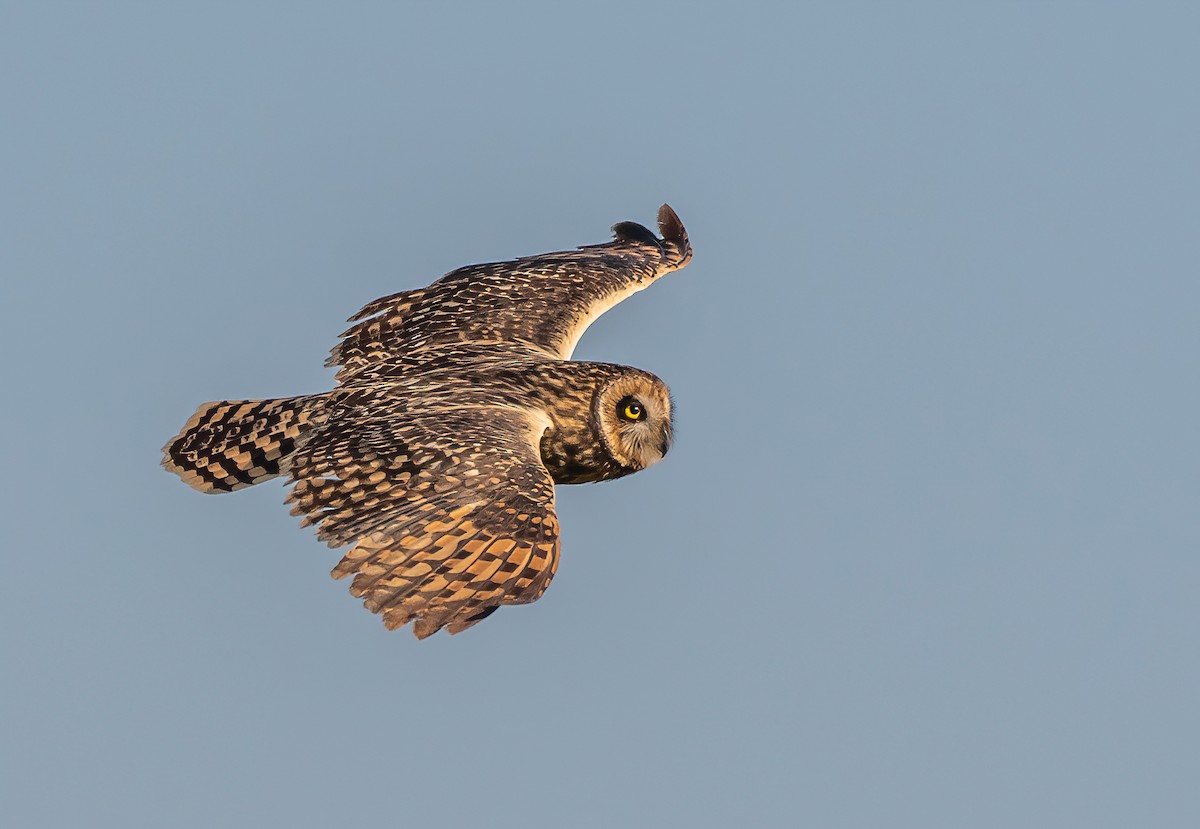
232	444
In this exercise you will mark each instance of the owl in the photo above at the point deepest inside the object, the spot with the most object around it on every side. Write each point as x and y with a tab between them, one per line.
456	410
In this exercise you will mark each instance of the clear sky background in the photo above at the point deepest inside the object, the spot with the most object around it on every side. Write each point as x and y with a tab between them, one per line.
925	553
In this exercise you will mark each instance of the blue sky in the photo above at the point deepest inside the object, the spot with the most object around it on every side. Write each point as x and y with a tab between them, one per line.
924	552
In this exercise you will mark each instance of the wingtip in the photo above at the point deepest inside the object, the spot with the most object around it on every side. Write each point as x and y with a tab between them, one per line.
673	233
669	224
674	247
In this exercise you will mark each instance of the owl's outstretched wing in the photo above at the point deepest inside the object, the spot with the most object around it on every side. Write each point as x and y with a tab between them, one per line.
450	513
540	303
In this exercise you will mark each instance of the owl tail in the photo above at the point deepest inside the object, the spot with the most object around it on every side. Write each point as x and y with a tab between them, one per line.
233	444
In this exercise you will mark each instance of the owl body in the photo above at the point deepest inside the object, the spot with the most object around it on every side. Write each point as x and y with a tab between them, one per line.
574	446
456	412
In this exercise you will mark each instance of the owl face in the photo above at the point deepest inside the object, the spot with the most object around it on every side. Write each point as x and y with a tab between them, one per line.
633	415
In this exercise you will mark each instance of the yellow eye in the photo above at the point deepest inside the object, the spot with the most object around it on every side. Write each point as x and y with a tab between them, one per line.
631	409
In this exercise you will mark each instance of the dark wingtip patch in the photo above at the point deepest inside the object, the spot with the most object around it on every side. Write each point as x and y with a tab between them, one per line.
674	249
634	232
670	226
674	234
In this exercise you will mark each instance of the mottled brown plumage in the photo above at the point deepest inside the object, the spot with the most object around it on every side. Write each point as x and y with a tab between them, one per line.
456	412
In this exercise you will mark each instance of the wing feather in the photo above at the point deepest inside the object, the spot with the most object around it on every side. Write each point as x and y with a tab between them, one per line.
429	543
539	304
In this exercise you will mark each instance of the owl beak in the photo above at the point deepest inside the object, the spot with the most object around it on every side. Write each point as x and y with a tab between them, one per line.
664	444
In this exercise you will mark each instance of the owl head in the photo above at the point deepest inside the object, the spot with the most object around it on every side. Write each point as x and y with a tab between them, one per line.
632	415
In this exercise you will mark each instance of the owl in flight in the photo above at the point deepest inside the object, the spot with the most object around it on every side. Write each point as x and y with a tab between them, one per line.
456	410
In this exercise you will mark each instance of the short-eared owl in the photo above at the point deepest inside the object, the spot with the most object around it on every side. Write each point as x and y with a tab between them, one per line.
455	413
